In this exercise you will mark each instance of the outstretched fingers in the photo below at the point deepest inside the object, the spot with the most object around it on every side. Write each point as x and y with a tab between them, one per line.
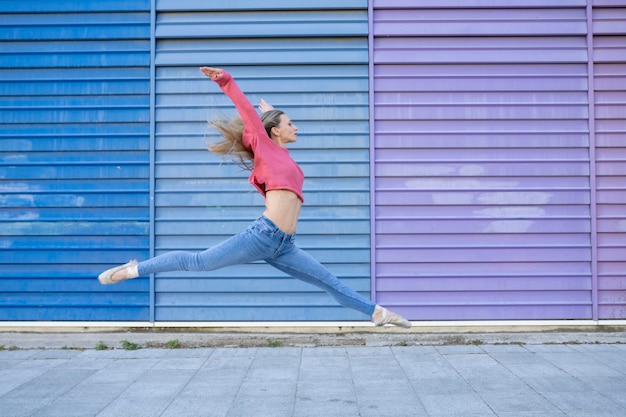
213	73
265	106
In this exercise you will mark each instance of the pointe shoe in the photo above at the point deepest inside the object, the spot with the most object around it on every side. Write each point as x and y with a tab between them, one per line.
106	277
383	316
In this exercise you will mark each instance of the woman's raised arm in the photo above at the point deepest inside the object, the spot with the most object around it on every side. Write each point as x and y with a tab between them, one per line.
246	110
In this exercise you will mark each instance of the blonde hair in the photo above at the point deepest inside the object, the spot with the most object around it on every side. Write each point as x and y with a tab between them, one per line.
231	146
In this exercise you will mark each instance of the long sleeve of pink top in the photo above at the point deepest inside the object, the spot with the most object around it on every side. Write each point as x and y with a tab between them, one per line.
274	169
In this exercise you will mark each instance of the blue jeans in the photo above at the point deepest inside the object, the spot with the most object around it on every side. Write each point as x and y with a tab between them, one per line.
262	240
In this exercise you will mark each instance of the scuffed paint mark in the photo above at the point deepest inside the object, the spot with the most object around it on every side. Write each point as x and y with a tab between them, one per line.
509	226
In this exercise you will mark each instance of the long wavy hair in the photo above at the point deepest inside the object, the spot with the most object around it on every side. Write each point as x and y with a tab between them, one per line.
231	146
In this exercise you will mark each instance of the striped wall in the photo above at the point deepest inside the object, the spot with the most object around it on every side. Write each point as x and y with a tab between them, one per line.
482	170
74	139
609	82
464	159
309	60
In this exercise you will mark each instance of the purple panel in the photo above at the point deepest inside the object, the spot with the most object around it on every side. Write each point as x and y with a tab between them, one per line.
481	188
610	153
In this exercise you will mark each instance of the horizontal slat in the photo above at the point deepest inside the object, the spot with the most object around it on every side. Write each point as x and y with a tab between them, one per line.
612	283
90	242
419	155
273	312
513	283
465	50
206	228
277	24
307	242
478	140
473	111
72	300
193	5
453	197
72	213
96	199
233	286
64	228
481	269
483	226
84	86
469	298
260	299
56	6
47	27
501	312
475	22
482	169
269	52
73	313
401	213
252	272
70	171
483	184
463	255
611	269
481	240
462	4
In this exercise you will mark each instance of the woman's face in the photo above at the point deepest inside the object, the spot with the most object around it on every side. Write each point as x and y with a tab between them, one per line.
286	132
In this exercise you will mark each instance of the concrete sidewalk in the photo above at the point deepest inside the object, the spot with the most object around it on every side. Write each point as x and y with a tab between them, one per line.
464	380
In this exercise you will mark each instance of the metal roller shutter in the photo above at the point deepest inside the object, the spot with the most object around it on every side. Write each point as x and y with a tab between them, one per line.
609	66
74	139
308	59
482	194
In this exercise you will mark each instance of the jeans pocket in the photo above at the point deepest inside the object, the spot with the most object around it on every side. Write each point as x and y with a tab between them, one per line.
264	228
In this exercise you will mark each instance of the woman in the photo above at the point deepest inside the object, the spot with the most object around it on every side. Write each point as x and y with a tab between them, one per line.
260	145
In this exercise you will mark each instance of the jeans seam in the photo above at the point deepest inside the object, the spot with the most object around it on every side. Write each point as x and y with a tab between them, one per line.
356	300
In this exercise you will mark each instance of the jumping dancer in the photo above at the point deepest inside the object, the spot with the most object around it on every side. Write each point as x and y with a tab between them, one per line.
259	144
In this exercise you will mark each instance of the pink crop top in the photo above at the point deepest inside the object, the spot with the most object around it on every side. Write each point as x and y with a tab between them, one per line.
274	169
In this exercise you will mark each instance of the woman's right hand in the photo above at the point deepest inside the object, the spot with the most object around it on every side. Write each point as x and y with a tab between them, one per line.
212	73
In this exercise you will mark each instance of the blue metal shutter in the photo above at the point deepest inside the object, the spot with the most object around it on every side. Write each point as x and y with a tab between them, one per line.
482	159
309	59
609	56
74	173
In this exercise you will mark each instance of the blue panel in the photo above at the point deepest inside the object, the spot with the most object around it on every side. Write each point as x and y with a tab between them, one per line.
317	72
74	161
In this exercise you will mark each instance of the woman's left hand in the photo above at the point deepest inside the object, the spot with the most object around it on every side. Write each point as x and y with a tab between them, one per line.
265	106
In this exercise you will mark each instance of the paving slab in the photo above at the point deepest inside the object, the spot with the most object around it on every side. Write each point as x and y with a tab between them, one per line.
464	380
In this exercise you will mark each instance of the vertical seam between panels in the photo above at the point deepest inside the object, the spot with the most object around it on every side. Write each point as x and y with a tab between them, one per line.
592	162
372	154
152	182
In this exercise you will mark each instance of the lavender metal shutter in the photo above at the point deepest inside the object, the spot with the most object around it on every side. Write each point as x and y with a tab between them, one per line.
74	160
609	57
481	175
307	58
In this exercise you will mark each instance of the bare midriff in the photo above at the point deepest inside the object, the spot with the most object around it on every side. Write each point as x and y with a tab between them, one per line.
283	208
